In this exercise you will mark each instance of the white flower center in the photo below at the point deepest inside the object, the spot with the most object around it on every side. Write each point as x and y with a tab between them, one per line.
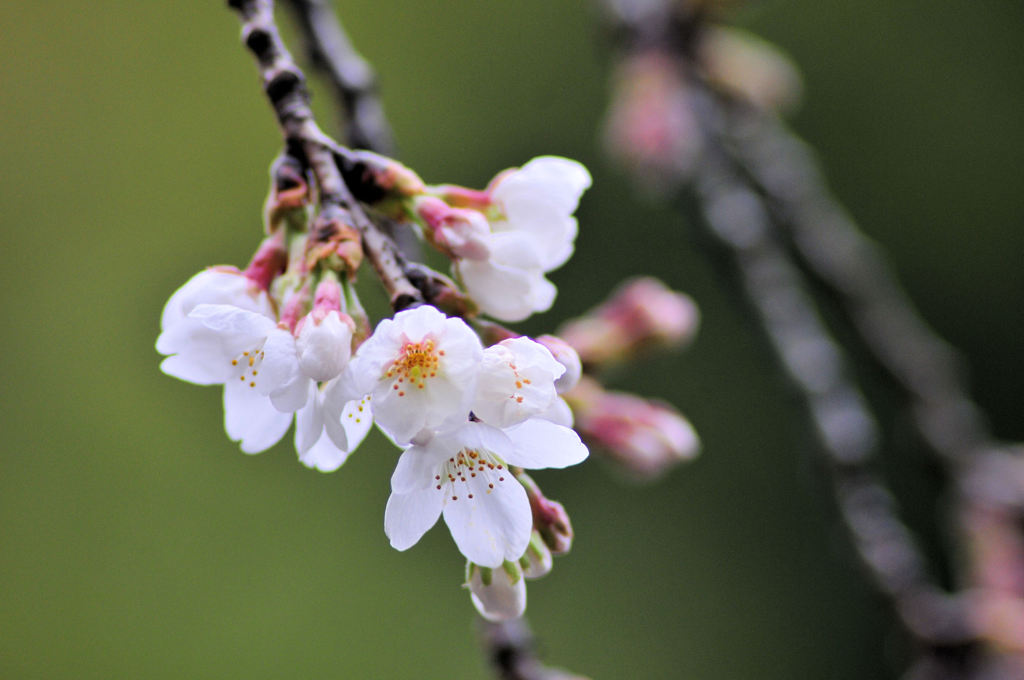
416	363
475	471
247	365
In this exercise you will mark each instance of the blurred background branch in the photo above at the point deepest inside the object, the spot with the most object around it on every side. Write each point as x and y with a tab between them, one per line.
702	123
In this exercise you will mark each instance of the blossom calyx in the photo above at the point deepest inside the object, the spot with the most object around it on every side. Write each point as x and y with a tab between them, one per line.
332	237
536	561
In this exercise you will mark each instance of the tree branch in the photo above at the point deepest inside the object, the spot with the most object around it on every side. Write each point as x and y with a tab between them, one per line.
285	87
353	80
754	179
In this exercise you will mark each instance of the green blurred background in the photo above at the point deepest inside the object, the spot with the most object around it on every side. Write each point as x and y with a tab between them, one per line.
137	542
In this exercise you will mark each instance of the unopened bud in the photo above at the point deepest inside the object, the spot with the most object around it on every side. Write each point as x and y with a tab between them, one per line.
641	313
498	594
324	336
537	560
644	435
268	261
550	520
457	231
295	293
651	125
568	357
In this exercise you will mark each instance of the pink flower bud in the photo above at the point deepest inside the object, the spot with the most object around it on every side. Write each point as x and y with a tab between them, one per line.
651	125
324	336
460	232
550	519
268	261
641	313
568	357
645	436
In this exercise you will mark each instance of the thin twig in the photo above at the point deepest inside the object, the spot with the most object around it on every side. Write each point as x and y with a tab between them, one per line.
351	77
285	86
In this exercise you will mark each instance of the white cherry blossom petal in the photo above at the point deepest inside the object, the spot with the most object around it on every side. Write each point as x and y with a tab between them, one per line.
309	422
409	516
420	369
201	368
220	285
559	413
356	421
503	292
560	180
541	443
280	365
492	526
236	321
324	455
417	468
517	381
293	395
251	419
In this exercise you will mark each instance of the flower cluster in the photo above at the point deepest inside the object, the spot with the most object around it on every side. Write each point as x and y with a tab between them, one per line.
288	340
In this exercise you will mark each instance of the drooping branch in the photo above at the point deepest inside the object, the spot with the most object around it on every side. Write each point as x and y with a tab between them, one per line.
826	240
769	217
285	87
351	77
739	225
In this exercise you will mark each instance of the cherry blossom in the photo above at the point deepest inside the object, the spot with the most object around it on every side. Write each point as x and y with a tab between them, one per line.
532	232
517	381
463	475
420	369
179	333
